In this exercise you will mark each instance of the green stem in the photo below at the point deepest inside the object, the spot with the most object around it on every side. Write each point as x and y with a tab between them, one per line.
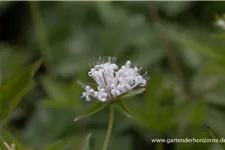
110	125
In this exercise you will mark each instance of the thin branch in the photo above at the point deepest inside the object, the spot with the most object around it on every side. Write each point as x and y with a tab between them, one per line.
174	63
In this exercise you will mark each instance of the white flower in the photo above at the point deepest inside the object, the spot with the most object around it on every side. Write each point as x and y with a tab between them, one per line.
220	23
113	81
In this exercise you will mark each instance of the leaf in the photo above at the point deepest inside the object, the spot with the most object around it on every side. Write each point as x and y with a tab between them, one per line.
92	109
215	119
162	120
2	145
196	112
8	138
219	36
172	8
141	117
15	89
132	93
111	15
153	93
123	108
58	122
10	62
61	144
86	143
214	135
197	41
71	143
52	103
54	89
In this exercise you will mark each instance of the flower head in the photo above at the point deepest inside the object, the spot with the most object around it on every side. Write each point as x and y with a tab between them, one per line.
113	81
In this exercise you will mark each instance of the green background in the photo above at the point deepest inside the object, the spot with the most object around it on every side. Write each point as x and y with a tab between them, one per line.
182	99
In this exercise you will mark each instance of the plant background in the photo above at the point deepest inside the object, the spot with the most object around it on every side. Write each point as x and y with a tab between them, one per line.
182	99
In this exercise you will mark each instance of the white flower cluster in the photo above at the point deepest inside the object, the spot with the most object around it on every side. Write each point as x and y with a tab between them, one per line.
113	81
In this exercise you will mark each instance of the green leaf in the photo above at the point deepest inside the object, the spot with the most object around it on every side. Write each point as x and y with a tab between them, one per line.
111	15
132	93
162	120
153	93
172	8
219	36
62	144
92	109
8	138
197	112
55	89
71	143
123	108
214	135
85	145
215	119
15	89
197	41
58	122
2	145
141	117
10	62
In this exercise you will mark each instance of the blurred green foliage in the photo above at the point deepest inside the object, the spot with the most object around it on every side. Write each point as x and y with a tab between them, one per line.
72	34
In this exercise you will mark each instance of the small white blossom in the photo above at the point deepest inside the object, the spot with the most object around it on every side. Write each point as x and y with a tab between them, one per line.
113	81
221	23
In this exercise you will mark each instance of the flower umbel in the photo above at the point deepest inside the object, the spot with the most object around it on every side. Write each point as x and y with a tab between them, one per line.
113	81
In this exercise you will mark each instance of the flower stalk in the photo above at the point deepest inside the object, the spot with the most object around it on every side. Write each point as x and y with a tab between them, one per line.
109	130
